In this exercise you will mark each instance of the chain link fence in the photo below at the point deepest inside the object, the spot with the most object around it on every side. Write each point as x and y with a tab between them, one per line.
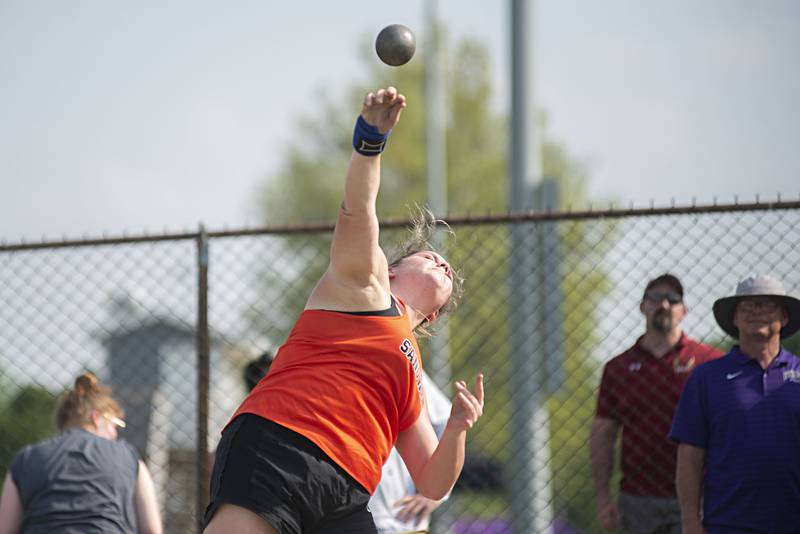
548	299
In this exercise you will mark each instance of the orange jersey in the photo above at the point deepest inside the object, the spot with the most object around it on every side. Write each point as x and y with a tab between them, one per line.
349	383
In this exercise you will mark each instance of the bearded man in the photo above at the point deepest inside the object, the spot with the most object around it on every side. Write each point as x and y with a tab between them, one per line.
639	391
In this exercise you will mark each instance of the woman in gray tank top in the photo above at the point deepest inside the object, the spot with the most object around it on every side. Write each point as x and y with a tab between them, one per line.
82	480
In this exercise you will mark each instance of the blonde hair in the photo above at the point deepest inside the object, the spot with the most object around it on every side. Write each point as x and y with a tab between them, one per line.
75	405
421	233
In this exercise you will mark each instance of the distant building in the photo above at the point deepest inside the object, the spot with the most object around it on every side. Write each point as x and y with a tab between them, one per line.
152	364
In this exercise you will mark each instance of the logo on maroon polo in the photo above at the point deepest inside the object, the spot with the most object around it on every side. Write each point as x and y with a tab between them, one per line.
681	366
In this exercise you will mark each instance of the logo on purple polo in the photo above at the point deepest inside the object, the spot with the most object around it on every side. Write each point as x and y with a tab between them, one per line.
791	375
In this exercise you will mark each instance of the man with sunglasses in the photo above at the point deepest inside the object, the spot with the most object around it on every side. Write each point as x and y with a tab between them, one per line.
639	390
738	420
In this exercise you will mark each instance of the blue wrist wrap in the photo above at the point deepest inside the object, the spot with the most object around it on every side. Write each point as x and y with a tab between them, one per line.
367	140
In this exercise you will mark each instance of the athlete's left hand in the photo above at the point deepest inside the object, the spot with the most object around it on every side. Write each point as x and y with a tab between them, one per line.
467	405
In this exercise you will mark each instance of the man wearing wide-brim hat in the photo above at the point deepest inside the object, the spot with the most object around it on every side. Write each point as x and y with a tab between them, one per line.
738	420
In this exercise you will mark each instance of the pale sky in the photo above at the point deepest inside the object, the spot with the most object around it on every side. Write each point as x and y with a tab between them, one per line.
152	115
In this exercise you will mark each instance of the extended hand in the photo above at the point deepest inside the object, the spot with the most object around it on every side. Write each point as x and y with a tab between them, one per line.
382	108
467	405
416	507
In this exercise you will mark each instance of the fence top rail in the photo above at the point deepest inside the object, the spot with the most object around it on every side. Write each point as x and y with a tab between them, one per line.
455	220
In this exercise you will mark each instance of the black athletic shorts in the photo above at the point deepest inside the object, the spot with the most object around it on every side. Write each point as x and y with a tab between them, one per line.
287	480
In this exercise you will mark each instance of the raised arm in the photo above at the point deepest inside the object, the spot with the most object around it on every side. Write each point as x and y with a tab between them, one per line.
433	466
357	276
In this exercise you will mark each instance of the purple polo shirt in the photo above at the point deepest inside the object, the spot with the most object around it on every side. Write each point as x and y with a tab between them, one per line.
748	421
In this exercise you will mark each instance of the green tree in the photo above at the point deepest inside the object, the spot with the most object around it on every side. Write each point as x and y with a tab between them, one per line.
26	418
308	188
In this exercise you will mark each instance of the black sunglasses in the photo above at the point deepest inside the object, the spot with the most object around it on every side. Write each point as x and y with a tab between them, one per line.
671	296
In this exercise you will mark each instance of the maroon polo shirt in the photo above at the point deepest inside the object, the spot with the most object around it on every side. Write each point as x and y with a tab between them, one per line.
640	392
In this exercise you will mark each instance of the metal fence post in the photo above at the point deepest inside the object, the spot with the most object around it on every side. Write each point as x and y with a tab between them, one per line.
203	376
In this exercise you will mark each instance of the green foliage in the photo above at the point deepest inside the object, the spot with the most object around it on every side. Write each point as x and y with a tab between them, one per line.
792	344
26	418
309	186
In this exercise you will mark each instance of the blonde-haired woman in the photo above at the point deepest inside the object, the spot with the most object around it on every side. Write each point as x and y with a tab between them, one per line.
82	480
